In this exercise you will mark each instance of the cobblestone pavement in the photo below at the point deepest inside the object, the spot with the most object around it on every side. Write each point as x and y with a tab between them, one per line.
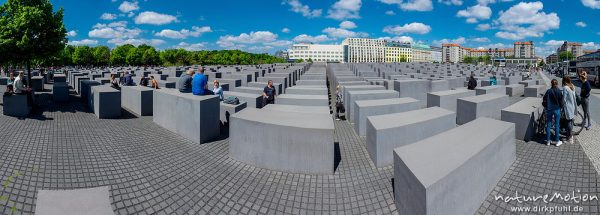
152	171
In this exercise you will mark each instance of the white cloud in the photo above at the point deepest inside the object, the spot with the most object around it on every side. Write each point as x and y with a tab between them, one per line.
136	42
184	33
305	10
348	25
128	6
526	20
84	42
390	13
303	38
581	24
459	40
345	9
483	27
153	18
415	28
114	30
264	38
108	16
594	4
486	2
343	33
72	33
554	42
191	47
286	30
590	45
475	13
411	5
481	40
451	2
404	39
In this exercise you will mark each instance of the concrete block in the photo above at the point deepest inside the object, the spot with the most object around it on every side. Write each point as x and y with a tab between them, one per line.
304	100
535	90
37	83
498	89
253	100
445	174
354	96
282	80
193	117
510	80
515	90
228	109
60	92
106	102
295	143
523	114
77	82
366	108
86	90
528	83
250	90
439	85
297	108
447	99
414	88
311	83
137	99
386	132
303	90
487	105
15	105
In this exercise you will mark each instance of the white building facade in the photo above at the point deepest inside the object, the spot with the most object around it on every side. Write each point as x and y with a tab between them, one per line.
363	50
317	53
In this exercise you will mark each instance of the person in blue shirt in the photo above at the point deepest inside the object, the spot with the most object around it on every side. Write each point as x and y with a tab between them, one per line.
128	80
586	89
553	103
199	82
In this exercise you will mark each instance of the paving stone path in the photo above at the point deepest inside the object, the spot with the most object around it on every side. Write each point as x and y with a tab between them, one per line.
153	171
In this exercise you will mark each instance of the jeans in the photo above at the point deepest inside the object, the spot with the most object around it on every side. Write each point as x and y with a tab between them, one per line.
556	115
585	104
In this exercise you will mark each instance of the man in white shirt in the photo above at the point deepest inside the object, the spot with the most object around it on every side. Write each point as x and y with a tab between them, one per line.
19	85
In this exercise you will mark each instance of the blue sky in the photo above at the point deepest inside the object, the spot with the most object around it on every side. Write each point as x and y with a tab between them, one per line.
270	25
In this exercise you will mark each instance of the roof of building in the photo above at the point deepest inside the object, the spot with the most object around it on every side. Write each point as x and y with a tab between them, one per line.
524	43
451	44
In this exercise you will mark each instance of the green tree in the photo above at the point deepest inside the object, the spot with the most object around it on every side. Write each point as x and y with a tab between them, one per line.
67	55
118	56
310	60
468	60
299	61
565	55
101	55
541	64
134	56
83	55
487	59
31	30
151	57
403	58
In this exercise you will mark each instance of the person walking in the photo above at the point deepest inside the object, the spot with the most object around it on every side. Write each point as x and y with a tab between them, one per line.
199	82
339	102
269	94
552	102
569	105
586	89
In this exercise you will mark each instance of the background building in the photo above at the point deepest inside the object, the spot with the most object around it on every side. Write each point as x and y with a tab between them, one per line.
398	52
317	53
436	54
524	50
362	50
453	53
421	53
575	48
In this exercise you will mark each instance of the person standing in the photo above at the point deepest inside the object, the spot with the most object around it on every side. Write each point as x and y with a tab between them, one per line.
217	89
199	82
586	89
339	102
552	102
184	84
269	94
569	105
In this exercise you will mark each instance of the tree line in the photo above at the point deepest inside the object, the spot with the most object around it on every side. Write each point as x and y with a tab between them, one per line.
145	55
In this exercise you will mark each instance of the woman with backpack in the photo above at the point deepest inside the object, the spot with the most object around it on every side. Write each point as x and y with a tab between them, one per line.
569	105
552	102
